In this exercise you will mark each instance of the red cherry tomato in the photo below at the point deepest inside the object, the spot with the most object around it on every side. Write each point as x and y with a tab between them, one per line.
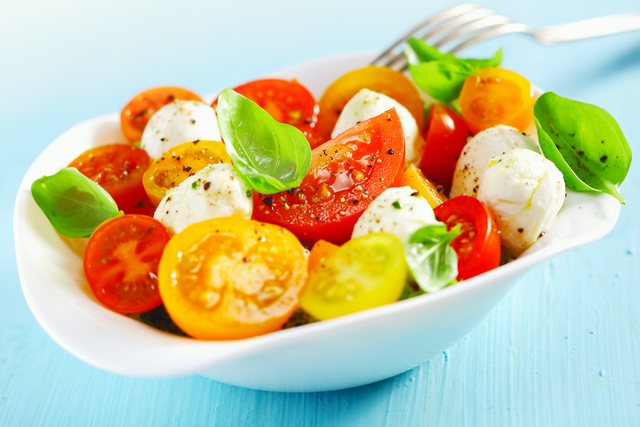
135	115
445	137
118	168
478	247
287	101
345	175
121	263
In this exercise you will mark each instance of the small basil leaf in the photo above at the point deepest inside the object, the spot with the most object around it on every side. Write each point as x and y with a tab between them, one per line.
441	79
442	75
411	290
270	156
74	204
432	262
595	153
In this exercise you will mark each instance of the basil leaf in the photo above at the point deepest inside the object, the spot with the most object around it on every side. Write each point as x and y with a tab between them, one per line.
270	156
74	204
442	79
442	75
584	142
410	291
432	262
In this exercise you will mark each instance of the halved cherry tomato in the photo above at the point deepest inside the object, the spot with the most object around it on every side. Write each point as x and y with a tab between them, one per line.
383	80
230	278
135	115
118	168
495	96
345	174
179	163
478	247
445	137
365	272
320	251
121	263
415	179
287	101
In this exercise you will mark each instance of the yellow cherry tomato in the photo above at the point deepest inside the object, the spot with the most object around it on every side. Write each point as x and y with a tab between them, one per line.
495	96
230	278
365	272
179	163
383	80
414	178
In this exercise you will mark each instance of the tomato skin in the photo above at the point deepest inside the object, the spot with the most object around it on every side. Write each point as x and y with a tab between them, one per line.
383	80
118	168
337	190
287	101
445	137
121	263
415	179
478	247
320	251
230	278
495	96
135	115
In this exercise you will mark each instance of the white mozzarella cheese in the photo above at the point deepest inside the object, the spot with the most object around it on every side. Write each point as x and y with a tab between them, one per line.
215	191
367	104
177	122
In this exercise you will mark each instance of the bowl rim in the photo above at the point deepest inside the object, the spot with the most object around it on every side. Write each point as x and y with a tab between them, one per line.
206	354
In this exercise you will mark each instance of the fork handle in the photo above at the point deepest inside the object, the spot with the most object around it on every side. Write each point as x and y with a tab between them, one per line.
589	28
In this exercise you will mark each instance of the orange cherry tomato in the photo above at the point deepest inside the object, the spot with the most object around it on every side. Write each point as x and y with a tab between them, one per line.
320	251
118	168
445	137
121	263
345	175
135	115
383	80
179	163
230	278
287	101
478	247
495	96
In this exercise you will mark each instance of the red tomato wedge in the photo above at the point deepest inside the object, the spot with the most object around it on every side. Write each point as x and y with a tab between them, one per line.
445	137
478	247
287	101
121	263
345	175
118	168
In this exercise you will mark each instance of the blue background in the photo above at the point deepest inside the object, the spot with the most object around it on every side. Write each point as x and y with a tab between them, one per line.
560	349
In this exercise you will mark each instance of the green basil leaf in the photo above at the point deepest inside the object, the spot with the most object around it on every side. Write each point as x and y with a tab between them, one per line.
74	204
410	291
441	79
270	156
442	75
584	142
432	262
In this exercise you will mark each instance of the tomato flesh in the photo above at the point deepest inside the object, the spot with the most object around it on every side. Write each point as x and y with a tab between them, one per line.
118	168
136	114
287	101
121	263
345	175
478	247
445	137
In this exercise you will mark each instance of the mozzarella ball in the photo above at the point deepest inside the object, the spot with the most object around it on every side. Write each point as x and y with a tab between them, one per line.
479	151
179	122
400	211
367	104
215	191
524	192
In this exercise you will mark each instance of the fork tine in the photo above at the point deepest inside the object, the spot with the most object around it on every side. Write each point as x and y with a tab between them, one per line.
450	25
465	30
491	32
444	15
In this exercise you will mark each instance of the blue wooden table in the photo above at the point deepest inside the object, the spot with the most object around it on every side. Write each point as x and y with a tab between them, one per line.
561	348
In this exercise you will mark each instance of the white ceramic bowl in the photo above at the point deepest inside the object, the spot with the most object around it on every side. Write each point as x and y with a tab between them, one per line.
349	351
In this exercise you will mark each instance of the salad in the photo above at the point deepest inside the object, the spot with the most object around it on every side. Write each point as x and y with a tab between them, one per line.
269	209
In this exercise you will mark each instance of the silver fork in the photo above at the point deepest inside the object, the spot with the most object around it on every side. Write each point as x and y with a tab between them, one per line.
467	24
